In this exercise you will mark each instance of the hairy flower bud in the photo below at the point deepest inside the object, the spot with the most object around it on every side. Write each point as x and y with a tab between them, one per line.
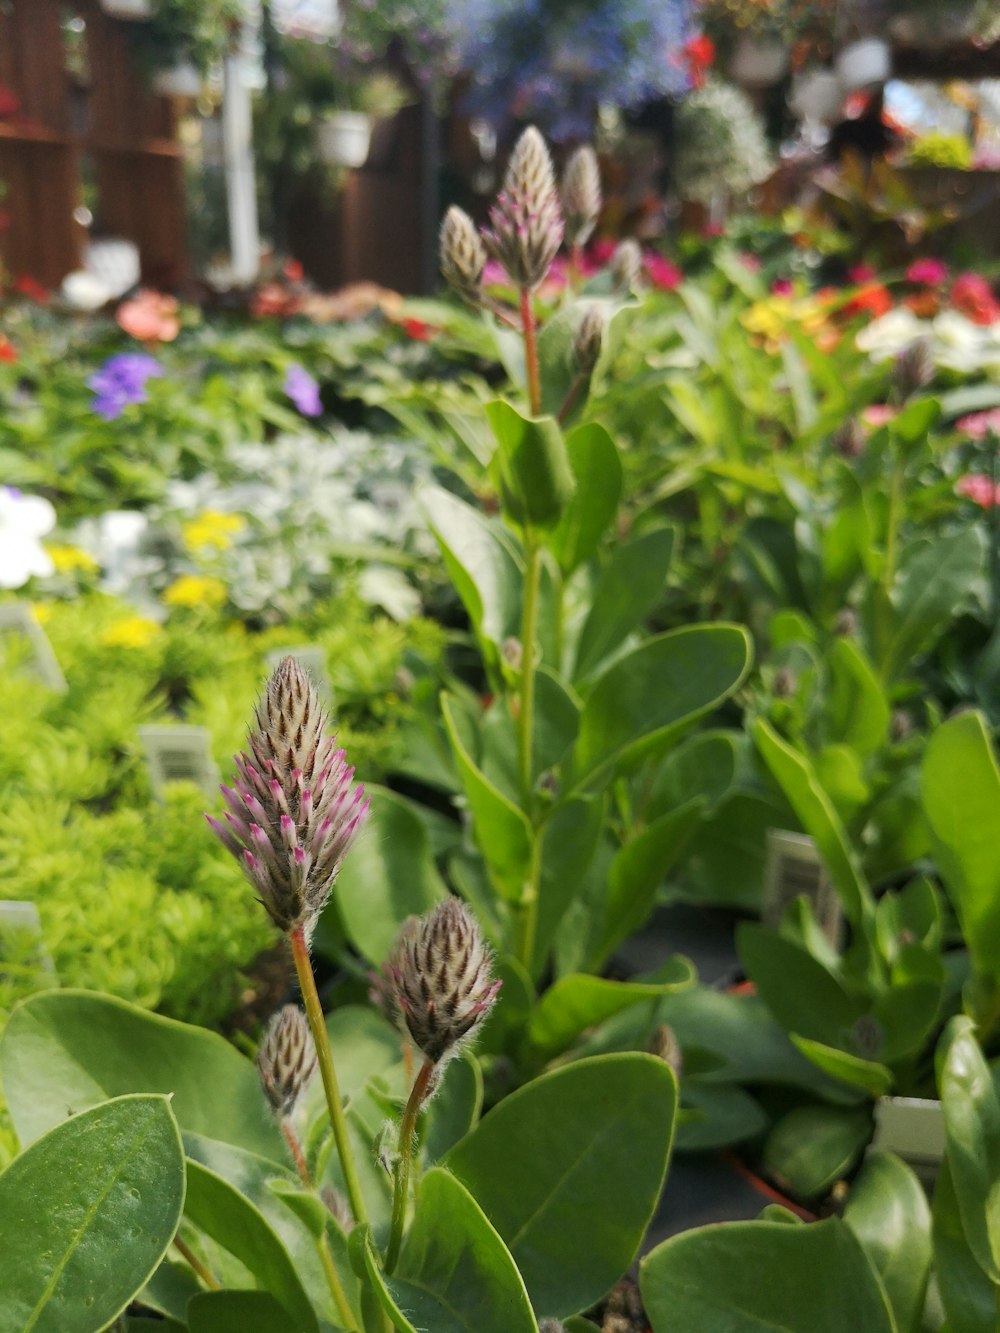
589	339
914	367
581	194
626	265
463	255
293	810
441	977
551	1326
526	224
286	1058
664	1045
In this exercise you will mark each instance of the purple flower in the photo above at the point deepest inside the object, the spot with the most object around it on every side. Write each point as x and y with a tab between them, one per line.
121	381
303	390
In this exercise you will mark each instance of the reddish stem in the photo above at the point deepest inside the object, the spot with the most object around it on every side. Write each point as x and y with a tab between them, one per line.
531	353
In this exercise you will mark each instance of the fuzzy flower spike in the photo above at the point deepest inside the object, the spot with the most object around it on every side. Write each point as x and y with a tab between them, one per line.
526	222
293	809
437	984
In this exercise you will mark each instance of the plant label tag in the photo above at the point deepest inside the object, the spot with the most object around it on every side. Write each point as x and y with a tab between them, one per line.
312	660
22	919
794	869
22	637
912	1128
178	754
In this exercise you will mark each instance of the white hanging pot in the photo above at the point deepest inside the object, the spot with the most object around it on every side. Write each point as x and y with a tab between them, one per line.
128	9
343	138
757	63
862	63
181	80
113	261
816	96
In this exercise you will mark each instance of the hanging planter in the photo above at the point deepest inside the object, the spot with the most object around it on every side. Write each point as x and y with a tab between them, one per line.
182	80
343	138
816	96
758	63
128	9
863	63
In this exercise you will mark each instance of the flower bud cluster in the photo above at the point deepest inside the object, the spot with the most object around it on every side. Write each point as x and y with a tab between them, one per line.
437	985
294	809
581	195
286	1059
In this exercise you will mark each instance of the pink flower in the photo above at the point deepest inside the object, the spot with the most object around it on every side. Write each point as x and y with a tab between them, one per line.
861	273
661	272
979	489
980	424
878	414
782	287
494	274
750	262
149	317
928	272
972	296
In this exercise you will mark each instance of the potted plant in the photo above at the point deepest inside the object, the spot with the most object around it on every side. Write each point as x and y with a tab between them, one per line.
128	9
343	133
184	40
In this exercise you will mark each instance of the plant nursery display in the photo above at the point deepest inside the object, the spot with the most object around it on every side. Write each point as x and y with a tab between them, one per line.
519	623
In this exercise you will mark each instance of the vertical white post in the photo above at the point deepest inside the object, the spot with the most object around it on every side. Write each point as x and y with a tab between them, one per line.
241	194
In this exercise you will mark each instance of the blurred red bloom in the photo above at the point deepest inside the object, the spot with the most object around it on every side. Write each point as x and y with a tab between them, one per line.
928	271
980	424
972	296
29	287
149	317
292	270
10	104
872	299
416	328
698	54
8	352
861	273
979	489
661	272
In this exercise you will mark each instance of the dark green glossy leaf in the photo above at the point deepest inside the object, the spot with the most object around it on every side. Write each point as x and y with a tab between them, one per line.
967	1294
876	1079
544	1163
802	994
64	1050
629	588
764	1277
932	585
594	462
238	1312
530	467
812	1147
887	1210
715	1115
86	1215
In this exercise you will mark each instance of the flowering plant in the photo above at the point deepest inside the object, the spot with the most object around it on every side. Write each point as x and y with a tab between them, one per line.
532	60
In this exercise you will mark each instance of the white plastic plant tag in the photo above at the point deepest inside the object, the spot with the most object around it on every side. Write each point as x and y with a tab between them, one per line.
912	1128
178	754
793	870
312	660
20	628
19	918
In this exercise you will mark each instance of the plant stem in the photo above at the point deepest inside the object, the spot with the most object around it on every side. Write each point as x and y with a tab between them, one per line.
531	353
528	904
338	1121
892	532
574	393
402	1181
208	1277
529	631
329	1267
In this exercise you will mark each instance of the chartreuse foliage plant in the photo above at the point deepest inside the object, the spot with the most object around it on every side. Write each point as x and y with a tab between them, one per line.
374	1196
557	755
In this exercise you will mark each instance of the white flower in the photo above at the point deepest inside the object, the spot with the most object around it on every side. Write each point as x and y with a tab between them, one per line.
23	520
891	333
83	291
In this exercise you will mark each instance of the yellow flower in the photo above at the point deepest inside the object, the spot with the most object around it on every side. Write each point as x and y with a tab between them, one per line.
70	559
212	529
132	632
196	590
43	612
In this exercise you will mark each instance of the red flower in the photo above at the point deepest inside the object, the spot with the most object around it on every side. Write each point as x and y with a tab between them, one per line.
661	272
10	104
292	270
8	352
698	54
979	489
29	287
861	273
416	328
872	299
972	296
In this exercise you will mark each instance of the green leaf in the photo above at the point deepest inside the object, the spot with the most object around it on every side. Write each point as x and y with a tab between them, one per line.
232	1221
961	796
933	582
389	876
238	1312
454	1109
763	1277
557	720
812	1147
629	588
857	708
887	1210
64	1050
86	1215
969	1297
569	842
639	869
578	1002
501	829
545	1162
705	765
915	420
972	1134
482	569
715	1115
647	697
802	994
875	1078
593	459
455	1275
530	467
794	775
